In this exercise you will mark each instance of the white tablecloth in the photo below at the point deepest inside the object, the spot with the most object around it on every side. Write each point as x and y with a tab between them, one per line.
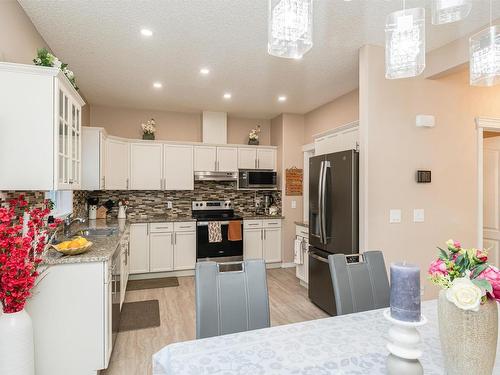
349	344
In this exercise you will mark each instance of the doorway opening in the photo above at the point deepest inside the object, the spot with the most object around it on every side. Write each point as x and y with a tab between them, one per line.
488	142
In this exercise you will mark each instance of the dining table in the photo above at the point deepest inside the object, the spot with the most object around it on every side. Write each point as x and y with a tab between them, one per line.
351	344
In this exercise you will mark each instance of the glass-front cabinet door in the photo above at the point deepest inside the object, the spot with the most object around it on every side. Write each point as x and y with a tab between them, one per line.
68	166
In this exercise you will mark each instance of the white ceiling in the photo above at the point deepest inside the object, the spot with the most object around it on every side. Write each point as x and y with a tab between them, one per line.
116	66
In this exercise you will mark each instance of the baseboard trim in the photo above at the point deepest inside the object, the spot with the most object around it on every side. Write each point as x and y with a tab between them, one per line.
288	265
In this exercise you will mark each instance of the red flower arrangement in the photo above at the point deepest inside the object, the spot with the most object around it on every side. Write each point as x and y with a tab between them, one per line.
21	248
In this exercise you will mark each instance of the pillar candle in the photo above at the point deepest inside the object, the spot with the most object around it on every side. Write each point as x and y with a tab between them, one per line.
405	292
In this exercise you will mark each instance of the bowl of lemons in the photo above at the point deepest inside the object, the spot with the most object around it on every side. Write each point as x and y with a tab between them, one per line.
75	246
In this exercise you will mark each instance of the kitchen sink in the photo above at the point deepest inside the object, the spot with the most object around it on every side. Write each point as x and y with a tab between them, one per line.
97	232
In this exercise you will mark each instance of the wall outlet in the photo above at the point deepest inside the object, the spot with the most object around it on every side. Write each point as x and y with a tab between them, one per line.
169	205
394	216
294	204
418	215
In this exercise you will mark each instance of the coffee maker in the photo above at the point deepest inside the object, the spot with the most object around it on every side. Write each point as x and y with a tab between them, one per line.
268	201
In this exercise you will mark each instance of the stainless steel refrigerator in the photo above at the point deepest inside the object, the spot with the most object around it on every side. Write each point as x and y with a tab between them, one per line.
333	219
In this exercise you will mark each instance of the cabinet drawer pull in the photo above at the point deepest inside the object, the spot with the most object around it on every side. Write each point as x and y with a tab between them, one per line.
185	226
273	223
253	224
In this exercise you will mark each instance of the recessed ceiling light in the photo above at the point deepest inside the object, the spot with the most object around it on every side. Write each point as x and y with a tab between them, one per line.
204	71
146	32
227	95
282	98
157	85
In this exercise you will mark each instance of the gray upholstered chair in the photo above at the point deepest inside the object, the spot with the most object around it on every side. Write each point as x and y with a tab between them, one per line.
231	301
359	286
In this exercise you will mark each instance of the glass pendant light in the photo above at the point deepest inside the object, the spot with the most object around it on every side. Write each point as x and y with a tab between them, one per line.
405	43
484	63
290	28
484	51
447	11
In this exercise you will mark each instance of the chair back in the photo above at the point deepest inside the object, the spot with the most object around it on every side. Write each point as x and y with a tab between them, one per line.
231	301
359	286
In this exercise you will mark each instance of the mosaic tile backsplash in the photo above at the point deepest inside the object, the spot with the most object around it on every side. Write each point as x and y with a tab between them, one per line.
155	202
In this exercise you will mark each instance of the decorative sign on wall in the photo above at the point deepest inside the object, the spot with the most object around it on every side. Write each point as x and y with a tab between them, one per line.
293	184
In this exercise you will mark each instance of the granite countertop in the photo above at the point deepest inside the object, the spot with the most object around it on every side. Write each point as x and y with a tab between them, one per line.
102	249
302	223
258	217
158	218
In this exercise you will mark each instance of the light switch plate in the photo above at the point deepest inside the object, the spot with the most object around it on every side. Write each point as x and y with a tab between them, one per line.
169	205
294	204
418	215
394	215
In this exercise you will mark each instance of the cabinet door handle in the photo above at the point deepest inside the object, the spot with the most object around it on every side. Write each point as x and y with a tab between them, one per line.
175	238
172	239
261	235
255	163
264	234
127	183
258	163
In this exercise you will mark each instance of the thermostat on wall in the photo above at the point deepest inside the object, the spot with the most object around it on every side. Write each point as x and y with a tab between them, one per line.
425	121
423	176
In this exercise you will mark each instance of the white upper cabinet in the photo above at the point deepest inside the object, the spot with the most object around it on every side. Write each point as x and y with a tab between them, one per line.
256	158
40	118
205	158
178	167
266	158
146	166
227	159
247	158
93	158
117	164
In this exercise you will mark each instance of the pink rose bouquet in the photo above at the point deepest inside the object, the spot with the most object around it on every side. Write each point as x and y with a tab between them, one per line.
466	275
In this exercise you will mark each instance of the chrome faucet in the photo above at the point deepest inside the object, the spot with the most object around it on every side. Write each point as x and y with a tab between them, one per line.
69	221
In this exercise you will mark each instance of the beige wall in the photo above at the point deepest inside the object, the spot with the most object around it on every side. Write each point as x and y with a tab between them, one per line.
19	39
338	112
287	132
392	149
171	126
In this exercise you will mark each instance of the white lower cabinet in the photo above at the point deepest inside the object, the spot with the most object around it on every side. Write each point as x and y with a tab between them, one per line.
71	311
252	243
262	240
161	252
162	247
184	250
139	248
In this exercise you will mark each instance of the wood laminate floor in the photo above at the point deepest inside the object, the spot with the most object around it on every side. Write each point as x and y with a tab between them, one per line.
133	350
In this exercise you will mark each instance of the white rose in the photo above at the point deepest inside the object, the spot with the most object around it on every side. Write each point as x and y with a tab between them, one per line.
56	63
464	294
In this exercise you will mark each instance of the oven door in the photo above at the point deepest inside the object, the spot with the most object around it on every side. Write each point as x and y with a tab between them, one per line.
223	249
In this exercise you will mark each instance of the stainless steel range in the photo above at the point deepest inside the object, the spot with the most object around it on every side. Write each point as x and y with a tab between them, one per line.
221	212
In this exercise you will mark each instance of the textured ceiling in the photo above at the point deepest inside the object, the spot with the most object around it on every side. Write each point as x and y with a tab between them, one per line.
116	66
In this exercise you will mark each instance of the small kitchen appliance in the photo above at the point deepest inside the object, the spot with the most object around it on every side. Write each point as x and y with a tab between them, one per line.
254	179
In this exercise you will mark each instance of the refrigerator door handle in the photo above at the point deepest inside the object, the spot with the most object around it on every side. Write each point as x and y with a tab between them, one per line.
312	255
320	201
326	166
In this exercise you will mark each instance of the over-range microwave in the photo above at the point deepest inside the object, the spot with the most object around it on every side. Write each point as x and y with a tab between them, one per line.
257	179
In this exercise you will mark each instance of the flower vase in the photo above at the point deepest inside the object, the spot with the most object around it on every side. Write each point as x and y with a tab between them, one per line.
254	142
148	136
16	344
468	338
